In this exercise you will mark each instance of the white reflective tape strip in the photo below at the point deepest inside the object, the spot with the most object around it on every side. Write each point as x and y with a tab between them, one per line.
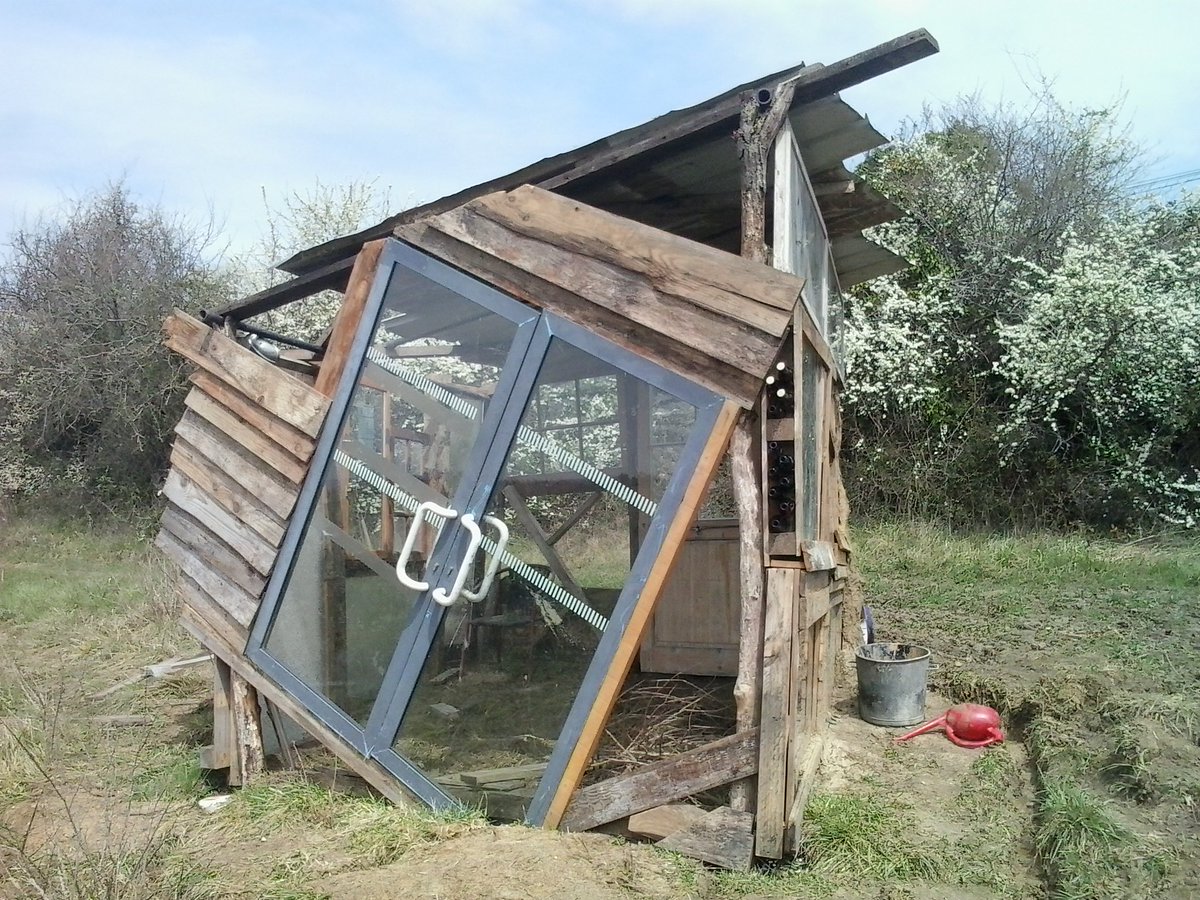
552	589
560	455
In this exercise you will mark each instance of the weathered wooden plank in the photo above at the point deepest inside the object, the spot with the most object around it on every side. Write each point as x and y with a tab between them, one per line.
212	623
247	728
724	837
227	493
747	495
276	493
809	764
223	752
287	436
246	435
240	605
269	386
349	315
718	281
818	555
216	554
184	493
665	820
782	587
624	293
675	355
712	765
606	694
818	605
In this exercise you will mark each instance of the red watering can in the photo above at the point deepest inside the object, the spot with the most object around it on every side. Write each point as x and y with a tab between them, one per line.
968	725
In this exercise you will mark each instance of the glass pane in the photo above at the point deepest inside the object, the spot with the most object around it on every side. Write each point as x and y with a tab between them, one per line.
813	392
414	418
578	490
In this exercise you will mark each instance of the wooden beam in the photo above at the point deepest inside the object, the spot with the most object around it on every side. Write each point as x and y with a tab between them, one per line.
771	820
349	315
247	723
533	530
665	781
574	518
332	276
610	687
747	496
813	83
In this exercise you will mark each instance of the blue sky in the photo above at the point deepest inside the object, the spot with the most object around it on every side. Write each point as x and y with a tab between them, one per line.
200	106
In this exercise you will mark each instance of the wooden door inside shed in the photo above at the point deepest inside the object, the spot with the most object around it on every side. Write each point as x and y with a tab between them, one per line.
695	628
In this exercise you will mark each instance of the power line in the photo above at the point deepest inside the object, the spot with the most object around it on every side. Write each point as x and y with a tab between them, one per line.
1167	181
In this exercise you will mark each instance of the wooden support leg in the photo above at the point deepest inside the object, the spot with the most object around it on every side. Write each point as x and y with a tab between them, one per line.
222	753
248	728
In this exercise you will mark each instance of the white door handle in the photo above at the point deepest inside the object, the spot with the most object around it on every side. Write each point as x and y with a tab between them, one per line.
440	595
493	563
411	540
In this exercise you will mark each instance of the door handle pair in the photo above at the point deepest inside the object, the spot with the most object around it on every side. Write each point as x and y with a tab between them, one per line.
441	595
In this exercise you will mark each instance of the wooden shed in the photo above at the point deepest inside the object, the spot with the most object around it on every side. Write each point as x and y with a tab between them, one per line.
571	443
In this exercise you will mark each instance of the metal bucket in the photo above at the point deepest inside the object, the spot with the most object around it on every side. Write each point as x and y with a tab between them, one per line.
891	683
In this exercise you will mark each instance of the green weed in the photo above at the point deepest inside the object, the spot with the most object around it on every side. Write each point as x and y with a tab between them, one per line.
859	837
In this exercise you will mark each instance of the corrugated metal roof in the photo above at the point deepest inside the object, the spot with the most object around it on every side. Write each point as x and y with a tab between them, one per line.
681	171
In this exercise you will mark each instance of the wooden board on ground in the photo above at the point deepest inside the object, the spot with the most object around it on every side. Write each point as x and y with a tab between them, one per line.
665	820
723	838
712	765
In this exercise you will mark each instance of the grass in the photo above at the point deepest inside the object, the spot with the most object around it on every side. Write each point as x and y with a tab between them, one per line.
1085	645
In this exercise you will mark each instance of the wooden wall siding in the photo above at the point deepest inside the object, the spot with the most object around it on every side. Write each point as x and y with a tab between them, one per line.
241	451
706	578
705	314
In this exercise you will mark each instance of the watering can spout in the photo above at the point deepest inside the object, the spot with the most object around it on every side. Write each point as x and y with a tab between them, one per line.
932	725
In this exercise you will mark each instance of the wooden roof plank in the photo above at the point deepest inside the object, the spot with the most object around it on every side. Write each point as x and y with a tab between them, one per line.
674	355
721	282
624	293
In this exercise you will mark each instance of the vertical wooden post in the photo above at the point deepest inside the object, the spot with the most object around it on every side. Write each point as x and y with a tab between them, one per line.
747	497
248	726
222	754
773	733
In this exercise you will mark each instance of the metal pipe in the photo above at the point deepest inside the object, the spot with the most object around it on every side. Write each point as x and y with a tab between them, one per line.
217	320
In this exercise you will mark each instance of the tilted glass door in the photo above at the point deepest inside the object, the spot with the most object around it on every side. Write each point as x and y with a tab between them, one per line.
440	354
584	478
485	505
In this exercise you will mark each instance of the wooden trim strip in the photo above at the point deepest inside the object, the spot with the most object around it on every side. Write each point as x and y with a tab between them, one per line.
710	766
610	687
349	314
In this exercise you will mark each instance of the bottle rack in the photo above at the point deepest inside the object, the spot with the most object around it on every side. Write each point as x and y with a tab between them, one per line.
780	474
